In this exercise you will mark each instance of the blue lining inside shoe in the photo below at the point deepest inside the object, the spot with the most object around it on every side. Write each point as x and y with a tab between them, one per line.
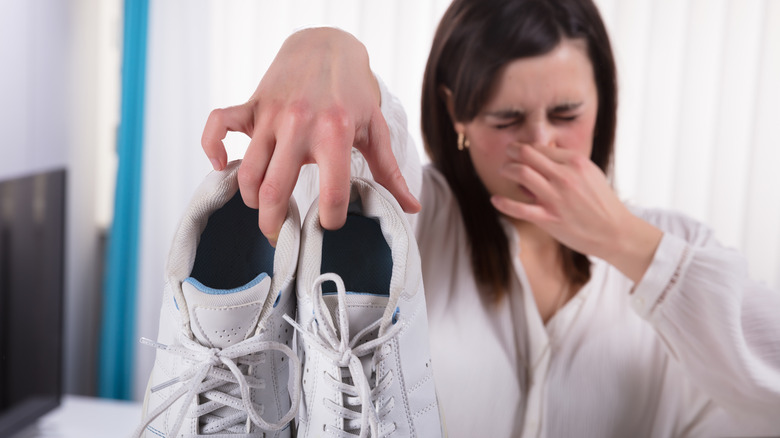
232	251
334	293
359	254
211	291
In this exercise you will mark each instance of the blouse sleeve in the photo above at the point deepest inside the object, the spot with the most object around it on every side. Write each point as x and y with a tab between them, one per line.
308	187
721	326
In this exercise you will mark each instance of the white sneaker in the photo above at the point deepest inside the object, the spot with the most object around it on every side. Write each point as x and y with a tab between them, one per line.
362	325
224	365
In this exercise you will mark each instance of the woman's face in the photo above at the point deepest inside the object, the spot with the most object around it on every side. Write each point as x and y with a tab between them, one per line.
548	100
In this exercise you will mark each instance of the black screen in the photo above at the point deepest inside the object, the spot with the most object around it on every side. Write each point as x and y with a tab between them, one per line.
32	218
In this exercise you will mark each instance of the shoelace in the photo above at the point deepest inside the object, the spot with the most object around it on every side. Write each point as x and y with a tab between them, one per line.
220	386
346	354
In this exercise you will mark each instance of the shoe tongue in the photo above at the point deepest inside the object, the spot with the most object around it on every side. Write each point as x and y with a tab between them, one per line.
223	317
363	309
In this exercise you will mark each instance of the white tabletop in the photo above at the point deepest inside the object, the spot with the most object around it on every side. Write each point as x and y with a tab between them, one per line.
86	417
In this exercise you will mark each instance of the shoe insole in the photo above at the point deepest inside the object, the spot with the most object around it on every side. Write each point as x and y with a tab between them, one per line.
359	254
232	251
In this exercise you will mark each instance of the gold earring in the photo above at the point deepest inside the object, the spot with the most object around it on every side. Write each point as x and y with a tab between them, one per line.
463	142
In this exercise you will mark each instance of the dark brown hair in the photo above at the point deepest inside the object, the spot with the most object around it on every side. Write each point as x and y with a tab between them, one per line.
474	41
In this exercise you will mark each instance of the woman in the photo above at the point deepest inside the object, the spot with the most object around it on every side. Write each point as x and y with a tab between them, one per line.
554	309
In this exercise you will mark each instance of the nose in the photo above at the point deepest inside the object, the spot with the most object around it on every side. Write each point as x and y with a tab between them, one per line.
538	133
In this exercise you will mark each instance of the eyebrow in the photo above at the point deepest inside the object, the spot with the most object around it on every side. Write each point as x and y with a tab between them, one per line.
568	106
505	114
515	113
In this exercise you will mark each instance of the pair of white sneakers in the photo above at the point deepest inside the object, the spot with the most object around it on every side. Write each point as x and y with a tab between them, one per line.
225	366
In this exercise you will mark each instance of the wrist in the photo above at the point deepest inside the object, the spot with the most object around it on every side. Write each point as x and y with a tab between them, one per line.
320	36
634	248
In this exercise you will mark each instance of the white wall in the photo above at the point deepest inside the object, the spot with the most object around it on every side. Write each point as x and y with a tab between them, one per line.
33	86
698	124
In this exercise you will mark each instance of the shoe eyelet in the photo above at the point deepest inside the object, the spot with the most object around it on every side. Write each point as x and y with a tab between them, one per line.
278	297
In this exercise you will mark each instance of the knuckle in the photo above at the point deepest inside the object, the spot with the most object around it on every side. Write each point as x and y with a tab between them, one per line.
396	176
271	193
299	113
333	197
565	182
246	177
217	117
334	122
524	171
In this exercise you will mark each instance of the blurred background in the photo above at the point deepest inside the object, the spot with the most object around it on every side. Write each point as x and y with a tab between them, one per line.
118	93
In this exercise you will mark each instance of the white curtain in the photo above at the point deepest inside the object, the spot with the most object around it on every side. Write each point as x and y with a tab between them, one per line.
698	130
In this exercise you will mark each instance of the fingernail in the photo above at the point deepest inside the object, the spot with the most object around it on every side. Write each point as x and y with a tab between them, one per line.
216	164
272	239
416	203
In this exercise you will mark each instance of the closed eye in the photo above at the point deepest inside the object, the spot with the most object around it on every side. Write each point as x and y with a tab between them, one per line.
503	119
566	112
508	124
565	118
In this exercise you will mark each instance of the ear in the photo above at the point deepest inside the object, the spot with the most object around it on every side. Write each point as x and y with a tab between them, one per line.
446	95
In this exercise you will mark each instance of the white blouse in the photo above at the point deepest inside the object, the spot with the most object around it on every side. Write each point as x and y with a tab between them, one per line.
693	349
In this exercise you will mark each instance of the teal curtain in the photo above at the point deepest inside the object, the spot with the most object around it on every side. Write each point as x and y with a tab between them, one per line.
117	340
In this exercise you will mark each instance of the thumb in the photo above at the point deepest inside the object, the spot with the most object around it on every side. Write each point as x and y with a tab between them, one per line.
239	118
